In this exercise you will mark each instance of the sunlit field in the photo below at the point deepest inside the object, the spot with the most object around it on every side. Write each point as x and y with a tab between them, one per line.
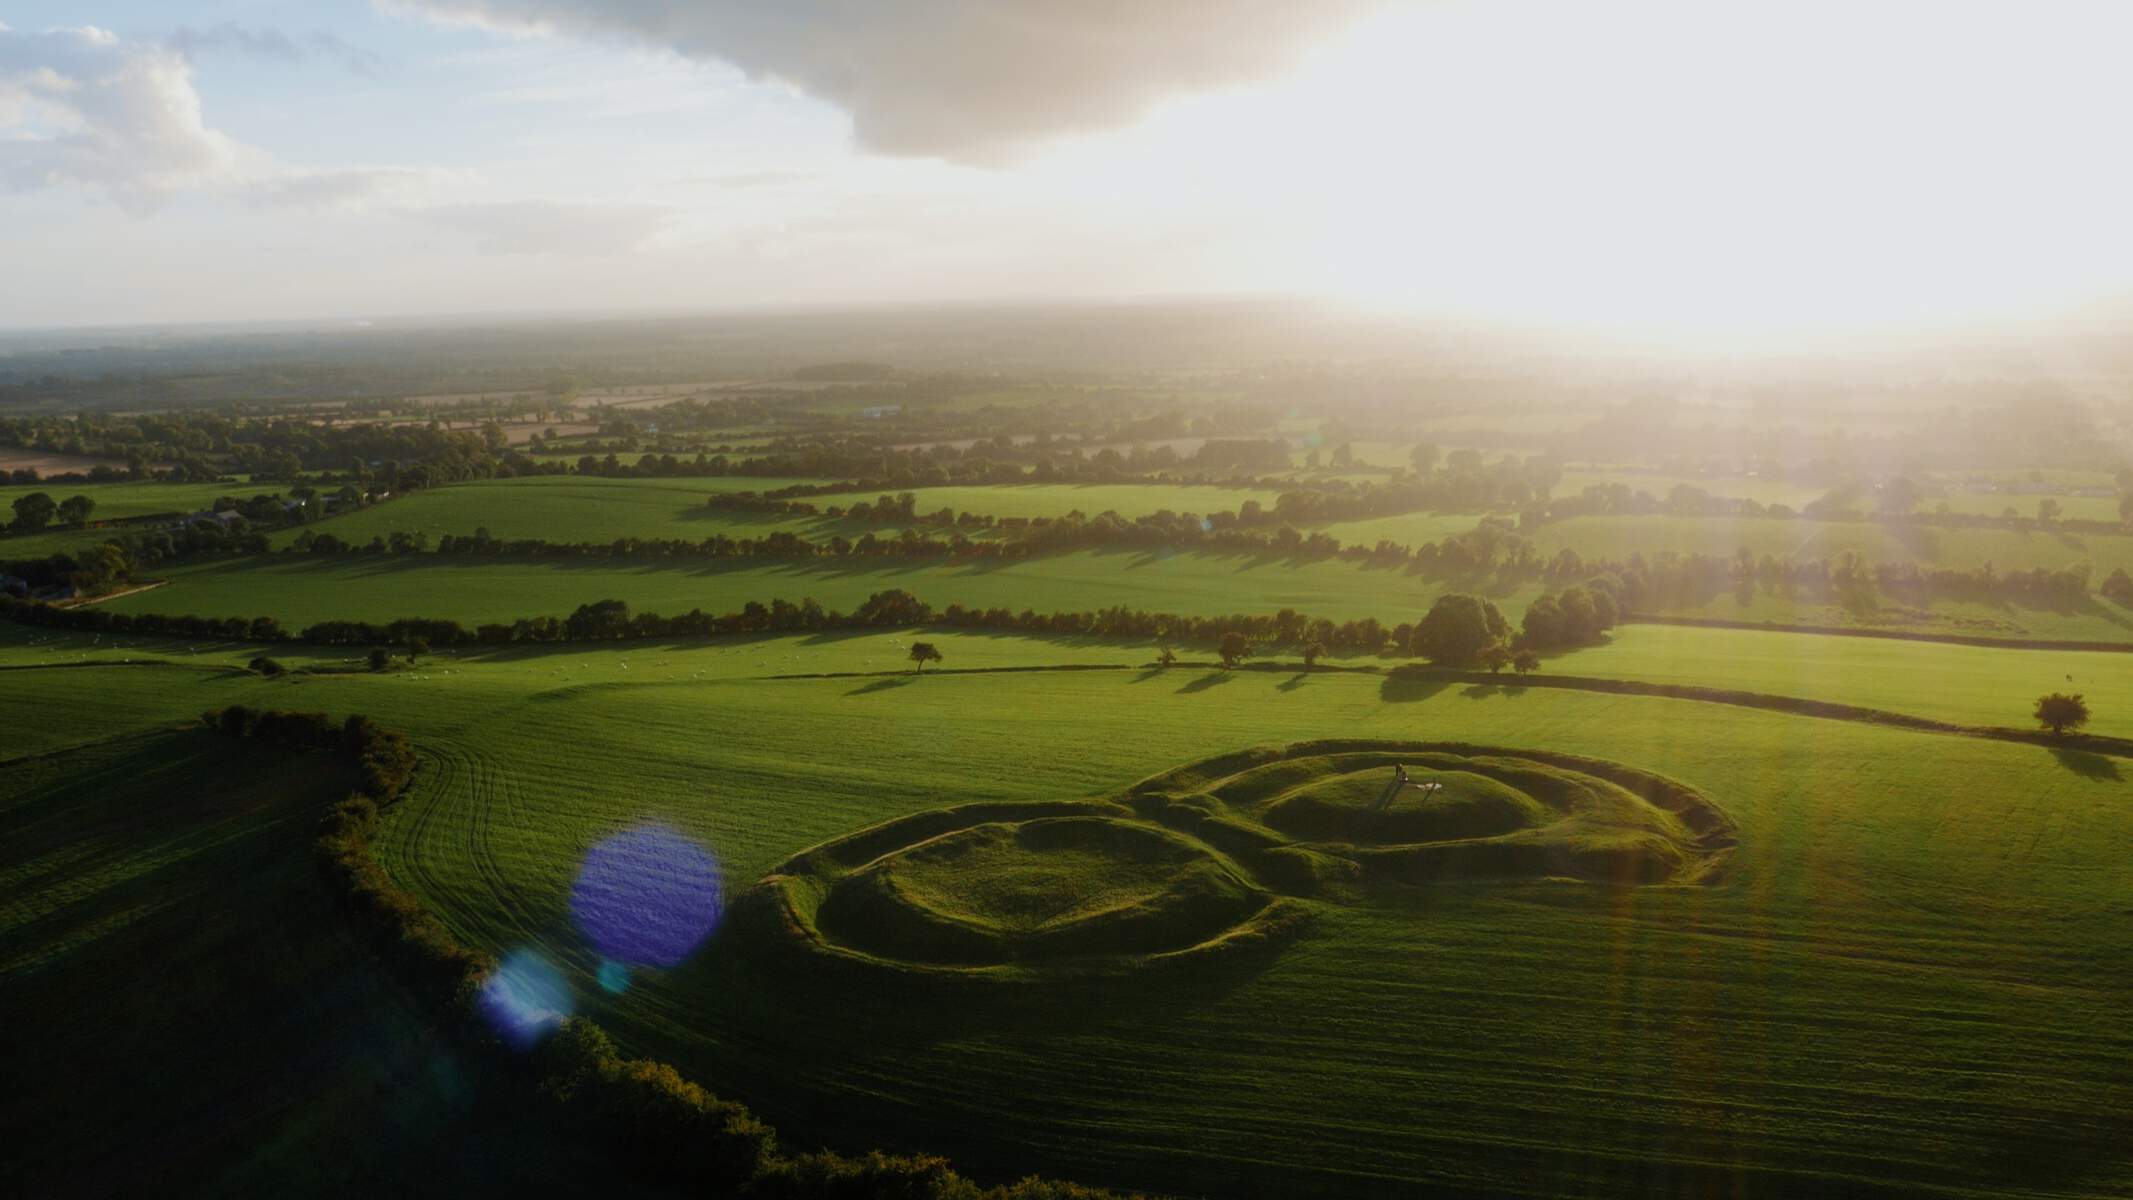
931	601
300	590
1928	883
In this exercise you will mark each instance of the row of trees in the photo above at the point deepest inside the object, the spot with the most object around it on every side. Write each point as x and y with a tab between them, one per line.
612	620
35	511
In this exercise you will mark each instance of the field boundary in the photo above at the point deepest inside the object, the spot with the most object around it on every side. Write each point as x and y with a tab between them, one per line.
1894	635
2115	747
86	601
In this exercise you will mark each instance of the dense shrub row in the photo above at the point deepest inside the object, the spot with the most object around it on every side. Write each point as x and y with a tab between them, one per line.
650	1119
96	620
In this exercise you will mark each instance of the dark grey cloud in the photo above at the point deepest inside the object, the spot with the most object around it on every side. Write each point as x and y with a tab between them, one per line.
271	43
973	80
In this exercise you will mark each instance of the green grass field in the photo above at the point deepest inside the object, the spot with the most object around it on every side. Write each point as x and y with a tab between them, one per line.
300	591
114	502
2088	619
1955	489
573	509
591	509
1044	934
1912	976
1968	685
2007	549
182	991
119	501
1128	500
1733	487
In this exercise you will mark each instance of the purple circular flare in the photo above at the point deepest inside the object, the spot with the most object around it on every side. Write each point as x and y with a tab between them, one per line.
647	896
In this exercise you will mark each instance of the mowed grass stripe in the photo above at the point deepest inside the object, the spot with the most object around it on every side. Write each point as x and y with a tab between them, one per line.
1491	971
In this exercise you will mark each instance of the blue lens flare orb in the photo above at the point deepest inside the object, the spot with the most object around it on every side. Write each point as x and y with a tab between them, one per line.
525	999
614	976
646	897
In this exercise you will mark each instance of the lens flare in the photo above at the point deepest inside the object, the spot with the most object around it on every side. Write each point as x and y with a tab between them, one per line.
647	897
526	998
614	976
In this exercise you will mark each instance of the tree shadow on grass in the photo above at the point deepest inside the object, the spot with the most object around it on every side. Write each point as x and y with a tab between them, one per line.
1482	691
1204	682
882	685
2087	765
1293	682
1148	673
1401	689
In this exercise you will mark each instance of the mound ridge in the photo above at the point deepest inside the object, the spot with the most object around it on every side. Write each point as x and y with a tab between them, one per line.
1315	812
1017	891
1217	857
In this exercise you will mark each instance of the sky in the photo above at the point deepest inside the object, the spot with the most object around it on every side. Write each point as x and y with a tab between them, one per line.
1702	167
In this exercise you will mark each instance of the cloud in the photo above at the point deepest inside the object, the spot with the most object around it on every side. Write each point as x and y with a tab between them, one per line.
80	106
347	187
549	227
232	38
749	179
971	80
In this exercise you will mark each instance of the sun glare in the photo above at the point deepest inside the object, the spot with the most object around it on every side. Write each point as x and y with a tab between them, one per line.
1693	168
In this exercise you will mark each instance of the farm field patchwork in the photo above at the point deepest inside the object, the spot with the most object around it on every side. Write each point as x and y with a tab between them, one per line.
1757	889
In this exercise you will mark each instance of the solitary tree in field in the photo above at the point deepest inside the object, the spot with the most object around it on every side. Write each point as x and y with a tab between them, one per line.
2060	712
1526	662
32	512
923	653
2118	586
1235	649
2048	511
1457	629
417	646
379	659
1166	657
1496	658
75	510
1313	651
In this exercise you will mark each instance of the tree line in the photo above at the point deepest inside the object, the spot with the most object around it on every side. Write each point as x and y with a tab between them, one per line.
612	620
